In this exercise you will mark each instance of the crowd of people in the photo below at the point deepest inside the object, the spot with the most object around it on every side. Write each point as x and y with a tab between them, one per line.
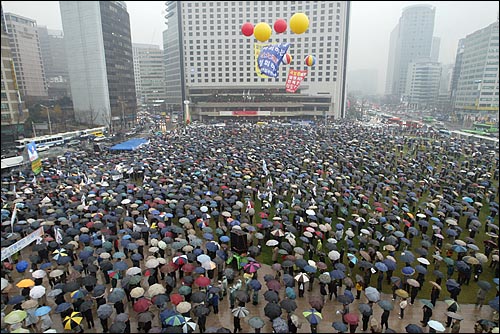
167	232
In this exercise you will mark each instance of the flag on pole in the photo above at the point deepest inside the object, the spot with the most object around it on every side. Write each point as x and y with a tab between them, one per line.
83	200
13	218
146	221
58	235
249	206
34	180
264	167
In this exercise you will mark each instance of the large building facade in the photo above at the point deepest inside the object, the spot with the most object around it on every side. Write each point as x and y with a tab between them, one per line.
54	62
100	63
411	40
477	85
13	113
422	84
217	74
149	73
26	52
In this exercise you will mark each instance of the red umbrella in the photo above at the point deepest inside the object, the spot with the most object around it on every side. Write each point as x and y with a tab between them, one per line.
188	268
142	305
351	318
273	285
202	281
176	298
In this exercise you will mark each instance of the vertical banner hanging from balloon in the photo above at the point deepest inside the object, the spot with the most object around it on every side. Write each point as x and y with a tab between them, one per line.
257	47
270	58
294	79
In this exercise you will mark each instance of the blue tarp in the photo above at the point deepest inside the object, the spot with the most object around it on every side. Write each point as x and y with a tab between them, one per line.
130	145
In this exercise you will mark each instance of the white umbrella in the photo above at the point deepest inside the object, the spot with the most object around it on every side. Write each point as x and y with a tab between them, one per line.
334	255
436	325
133	271
310	212
37	292
39	273
272	242
423	261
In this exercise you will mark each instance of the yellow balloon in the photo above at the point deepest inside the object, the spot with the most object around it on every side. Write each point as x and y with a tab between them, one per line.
262	31
299	23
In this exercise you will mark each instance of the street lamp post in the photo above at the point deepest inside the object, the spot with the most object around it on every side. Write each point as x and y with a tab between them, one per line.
48	117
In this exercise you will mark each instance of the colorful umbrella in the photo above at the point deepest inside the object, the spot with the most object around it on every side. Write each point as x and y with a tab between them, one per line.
73	320
313	316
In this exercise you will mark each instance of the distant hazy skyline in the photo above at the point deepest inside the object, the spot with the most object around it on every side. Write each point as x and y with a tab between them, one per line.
370	25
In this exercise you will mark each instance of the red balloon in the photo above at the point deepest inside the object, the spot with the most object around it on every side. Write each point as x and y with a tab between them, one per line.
247	29
280	26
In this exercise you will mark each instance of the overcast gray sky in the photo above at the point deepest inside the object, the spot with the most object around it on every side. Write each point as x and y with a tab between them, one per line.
371	25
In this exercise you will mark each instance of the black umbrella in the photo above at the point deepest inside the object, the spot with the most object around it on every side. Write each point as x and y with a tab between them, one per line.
272	310
200	310
288	305
365	309
117	327
70	287
198	297
242	296
89	280
271	296
412	328
86	305
160	299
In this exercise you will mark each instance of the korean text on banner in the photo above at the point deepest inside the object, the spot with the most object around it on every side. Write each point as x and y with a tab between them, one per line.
256	48
294	79
23	243
270	58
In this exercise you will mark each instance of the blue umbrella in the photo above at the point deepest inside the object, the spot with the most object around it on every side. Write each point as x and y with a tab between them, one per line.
391	265
467	199
309	269
452	232
420	269
337	274
408	271
199	270
85	254
340	266
118	255
340	326
212	247
459	249
62	307
406	256
120	265
136	256
42	311
290	293
224	238
254	284
16	300
21	266
494	303
381	266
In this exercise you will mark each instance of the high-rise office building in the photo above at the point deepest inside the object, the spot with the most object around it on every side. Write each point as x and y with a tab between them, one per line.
477	84
100	64
149	73
54	62
422	84
410	41
25	47
13	113
217	74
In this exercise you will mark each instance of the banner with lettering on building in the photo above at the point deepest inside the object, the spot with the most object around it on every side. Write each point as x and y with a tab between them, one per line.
256	48
294	79
270	57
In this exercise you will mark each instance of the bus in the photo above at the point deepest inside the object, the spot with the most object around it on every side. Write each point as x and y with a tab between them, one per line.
42	141
486	127
97	132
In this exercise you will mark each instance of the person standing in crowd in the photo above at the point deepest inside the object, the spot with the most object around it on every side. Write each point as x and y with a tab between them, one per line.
402	306
384	319
427	314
